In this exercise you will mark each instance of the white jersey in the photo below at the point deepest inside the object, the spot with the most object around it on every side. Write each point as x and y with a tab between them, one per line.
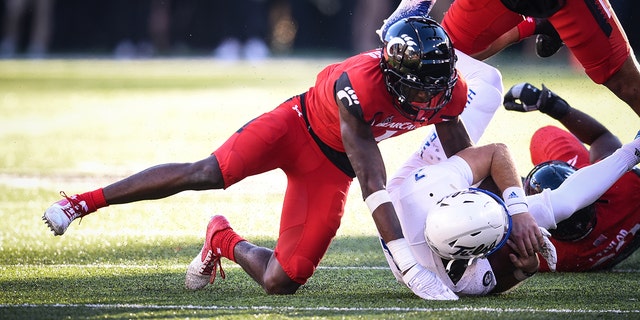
414	188
412	198
484	97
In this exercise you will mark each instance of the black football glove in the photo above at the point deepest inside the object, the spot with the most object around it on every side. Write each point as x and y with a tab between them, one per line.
522	97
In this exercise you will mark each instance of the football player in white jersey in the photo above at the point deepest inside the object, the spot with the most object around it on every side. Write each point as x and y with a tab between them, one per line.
416	194
484	98
428	176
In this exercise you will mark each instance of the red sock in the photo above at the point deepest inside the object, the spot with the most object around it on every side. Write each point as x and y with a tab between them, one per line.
94	199
228	240
526	28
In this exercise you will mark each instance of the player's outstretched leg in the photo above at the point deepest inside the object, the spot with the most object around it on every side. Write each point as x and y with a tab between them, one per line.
61	213
219	242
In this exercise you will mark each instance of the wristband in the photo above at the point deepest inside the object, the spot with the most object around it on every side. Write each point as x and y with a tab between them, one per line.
526	28
515	200
521	275
377	198
401	254
556	108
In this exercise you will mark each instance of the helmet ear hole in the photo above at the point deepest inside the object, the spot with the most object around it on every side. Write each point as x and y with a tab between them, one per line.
466	225
418	56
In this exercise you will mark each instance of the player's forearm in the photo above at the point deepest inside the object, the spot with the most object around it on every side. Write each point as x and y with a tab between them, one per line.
503	168
586	128
453	136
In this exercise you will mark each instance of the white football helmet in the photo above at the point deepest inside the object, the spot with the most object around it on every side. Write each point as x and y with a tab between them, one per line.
467	225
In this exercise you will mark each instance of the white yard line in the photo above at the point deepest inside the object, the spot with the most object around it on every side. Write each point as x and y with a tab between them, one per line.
182	266
151	266
298	309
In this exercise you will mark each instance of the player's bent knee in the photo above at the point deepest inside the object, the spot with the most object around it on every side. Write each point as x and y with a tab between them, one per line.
473	69
494	78
206	174
491	76
287	278
280	284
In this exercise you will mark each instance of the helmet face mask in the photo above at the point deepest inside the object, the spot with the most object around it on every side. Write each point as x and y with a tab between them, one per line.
418	63
467	225
550	175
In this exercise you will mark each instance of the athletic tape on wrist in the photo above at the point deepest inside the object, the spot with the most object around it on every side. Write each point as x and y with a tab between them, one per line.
629	153
515	200
377	198
401	254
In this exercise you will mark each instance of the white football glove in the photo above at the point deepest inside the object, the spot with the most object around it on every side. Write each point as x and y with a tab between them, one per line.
548	250
426	285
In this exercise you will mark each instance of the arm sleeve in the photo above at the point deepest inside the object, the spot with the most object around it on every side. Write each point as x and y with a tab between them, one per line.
588	184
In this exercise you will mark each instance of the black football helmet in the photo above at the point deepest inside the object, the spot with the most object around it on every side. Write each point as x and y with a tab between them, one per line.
550	175
418	63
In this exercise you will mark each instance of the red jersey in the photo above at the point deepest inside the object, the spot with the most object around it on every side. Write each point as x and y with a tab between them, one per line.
617	225
589	28
360	78
617	210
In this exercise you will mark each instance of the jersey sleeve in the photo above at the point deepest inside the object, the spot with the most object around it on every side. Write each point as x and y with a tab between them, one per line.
347	95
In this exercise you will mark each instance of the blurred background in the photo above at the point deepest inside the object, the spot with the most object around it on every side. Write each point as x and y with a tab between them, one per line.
228	30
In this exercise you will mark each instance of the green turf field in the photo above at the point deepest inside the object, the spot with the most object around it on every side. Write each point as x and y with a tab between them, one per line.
76	125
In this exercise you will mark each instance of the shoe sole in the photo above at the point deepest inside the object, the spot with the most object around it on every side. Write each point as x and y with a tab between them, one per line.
547	46
194	280
55	228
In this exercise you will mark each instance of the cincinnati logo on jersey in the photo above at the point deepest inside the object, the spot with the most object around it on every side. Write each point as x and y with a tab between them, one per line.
348	96
390	124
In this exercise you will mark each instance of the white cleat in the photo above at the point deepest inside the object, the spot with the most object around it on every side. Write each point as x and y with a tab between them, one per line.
60	214
203	268
406	8
199	272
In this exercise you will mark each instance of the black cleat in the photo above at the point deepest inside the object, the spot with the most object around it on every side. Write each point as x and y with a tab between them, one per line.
548	40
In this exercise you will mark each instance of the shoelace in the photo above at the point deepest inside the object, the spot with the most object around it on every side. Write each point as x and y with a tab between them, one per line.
217	264
75	206
212	266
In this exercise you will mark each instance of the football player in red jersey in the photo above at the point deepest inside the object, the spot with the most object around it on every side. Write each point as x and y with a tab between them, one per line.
596	229
321	139
589	28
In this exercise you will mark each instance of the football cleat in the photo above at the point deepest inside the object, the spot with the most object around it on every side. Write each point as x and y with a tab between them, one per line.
60	214
548	41
406	8
203	268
